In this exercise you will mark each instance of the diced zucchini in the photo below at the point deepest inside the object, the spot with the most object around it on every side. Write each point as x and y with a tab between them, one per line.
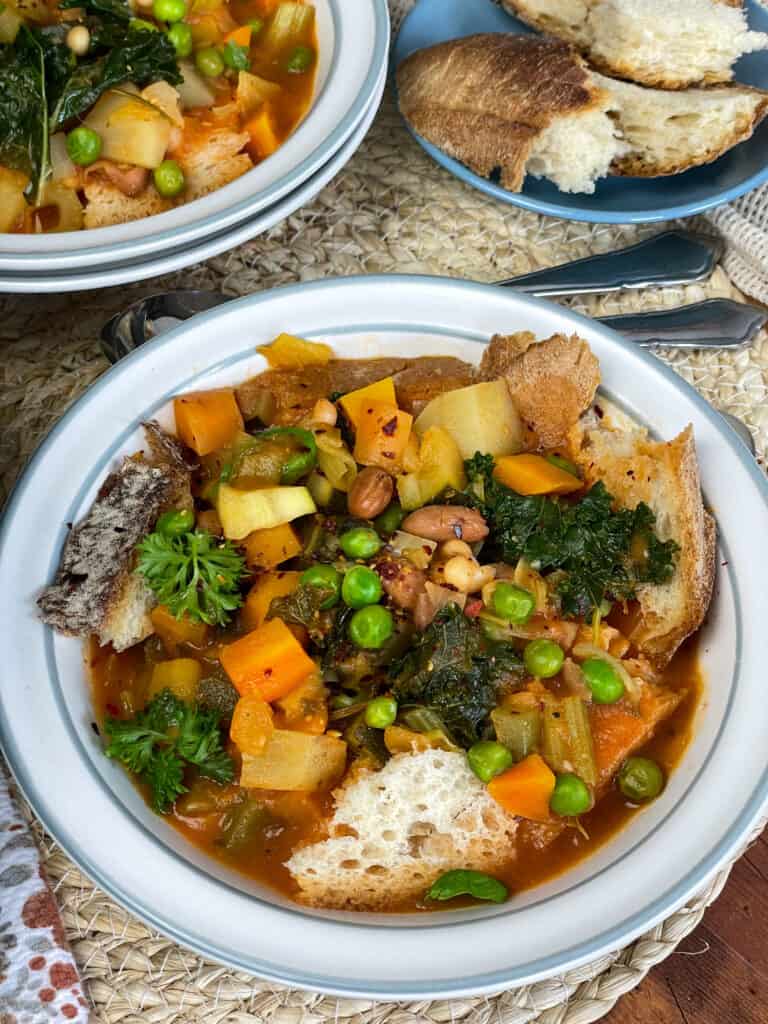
242	512
295	761
440	465
193	90
179	675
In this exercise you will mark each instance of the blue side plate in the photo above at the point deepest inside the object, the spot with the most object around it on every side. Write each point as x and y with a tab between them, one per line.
616	200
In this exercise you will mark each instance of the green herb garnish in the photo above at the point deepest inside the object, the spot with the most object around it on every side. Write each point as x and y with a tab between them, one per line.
462	882
194	574
161	741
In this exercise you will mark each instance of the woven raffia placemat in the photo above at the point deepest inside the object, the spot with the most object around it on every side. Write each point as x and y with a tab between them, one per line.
390	210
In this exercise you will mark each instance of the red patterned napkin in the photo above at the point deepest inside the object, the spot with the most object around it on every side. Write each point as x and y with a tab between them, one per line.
39	980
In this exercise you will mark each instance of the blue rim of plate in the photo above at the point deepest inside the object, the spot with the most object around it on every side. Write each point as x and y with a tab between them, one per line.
278	190
553	209
635	925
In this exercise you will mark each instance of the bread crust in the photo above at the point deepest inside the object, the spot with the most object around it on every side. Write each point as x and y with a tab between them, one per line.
551	383
635	165
665	475
616	68
485	99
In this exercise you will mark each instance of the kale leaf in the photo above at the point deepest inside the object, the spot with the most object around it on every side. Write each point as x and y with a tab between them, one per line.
117	9
590	541
23	131
456	672
161	741
131	55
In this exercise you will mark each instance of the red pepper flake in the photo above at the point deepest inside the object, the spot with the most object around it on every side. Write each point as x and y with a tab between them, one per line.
388	455
113	709
267	672
473	608
390	427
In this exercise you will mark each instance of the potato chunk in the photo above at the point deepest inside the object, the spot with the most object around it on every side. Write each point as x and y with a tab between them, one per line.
295	761
480	418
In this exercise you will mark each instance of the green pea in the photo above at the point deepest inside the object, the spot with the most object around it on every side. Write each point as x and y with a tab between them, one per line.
169	10
236	57
564	464
181	37
361	587
257	24
169	179
570	796
300	59
603	680
209	62
176	522
389	520
640	779
324	576
371	627
488	758
381	712
360	542
513	603
83	146
543	658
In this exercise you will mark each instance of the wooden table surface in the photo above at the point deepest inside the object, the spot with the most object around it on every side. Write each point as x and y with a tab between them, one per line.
719	974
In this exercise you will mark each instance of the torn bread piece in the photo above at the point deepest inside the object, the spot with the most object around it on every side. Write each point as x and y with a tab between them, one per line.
664	475
395	831
693	42
213	160
516	104
96	591
106	204
551	383
522	105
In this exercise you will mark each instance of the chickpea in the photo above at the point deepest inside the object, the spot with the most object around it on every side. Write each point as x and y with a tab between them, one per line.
449	548
466	575
79	40
324	412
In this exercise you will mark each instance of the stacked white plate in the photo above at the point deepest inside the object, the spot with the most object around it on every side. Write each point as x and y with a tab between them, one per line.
353	40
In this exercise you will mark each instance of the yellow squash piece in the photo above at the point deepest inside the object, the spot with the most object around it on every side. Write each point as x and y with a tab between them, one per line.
353	402
295	761
242	512
382	435
252	724
264	549
13	205
480	418
533	474
441	466
181	676
263	592
173	631
288	352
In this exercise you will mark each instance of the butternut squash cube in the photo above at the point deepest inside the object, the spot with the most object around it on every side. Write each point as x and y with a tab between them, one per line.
382	435
381	391
264	549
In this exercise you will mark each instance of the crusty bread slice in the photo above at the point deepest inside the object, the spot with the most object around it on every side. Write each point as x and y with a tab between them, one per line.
665	475
213	160
516	104
96	592
395	831
551	383
525	104
692	42
668	132
106	204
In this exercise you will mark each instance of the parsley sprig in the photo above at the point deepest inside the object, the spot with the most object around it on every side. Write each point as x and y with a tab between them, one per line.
161	741
194	574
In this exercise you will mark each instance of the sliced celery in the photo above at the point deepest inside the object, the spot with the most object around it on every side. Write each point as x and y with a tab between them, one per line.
518	731
567	738
290	26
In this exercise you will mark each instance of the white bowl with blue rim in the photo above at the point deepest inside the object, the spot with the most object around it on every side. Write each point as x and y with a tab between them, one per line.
154	265
660	859
616	200
353	40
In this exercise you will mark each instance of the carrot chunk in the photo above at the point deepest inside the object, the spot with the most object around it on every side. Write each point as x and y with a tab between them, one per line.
525	788
269	662
207	420
533	474
261	128
240	36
